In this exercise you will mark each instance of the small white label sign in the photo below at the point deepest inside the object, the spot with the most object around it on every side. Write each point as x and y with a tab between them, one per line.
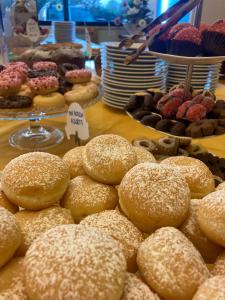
33	30
76	122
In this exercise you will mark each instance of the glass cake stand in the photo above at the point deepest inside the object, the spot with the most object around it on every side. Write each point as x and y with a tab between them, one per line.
35	136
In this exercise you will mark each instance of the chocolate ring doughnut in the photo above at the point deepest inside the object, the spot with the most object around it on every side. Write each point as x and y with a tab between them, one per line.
67	67
41	73
15	102
147	144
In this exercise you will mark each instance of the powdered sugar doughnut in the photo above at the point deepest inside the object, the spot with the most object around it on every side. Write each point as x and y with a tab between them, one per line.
153	196
212	289
107	158
211	217
198	176
85	196
221	186
143	155
122	230
135	289
78	76
34	223
43	85
73	159
171	265
10	237
4	202
191	230
74	262
45	65
219	266
35	180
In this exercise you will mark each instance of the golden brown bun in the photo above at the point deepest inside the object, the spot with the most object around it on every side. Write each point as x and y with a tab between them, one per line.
35	180
197	174
122	230
86	196
34	223
153	196
52	100
10	236
211	217
135	289
191	230
75	262
221	186
12	283
74	161
107	158
212	289
171	265
219	266
4	202
143	155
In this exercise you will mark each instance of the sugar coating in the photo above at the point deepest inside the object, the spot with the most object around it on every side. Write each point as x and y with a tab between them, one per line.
169	262
34	169
135	289
8	227
213	205
143	155
119	227
191	34
212	289
75	262
219	266
74	161
221	186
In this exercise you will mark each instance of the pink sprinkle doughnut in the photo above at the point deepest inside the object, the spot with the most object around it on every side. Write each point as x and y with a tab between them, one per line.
19	70
44	65
9	83
43	85
78	76
17	64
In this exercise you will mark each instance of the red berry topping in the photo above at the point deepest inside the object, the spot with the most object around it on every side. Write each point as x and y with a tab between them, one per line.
176	28
196	112
209	103
189	34
219	26
171	107
183	109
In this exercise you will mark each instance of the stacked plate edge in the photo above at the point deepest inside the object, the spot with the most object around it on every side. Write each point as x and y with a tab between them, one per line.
120	81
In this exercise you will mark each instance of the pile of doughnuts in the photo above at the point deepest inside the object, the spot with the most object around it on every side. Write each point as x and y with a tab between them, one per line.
107	222
46	86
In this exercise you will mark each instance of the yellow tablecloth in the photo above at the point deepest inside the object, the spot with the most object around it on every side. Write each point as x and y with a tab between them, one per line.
101	119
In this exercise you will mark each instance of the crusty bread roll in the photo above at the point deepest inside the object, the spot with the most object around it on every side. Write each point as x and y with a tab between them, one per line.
221	186
34	223
12	281
75	262
135	289
153	196
197	174
74	161
212	289
143	155
35	180
122	230
171	265
191	230
10	236
4	202
86	196
107	158
219	266
211	217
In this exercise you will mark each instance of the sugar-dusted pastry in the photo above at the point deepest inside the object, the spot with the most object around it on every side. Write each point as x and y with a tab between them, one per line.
219	266
211	289
4	202
143	155
74	160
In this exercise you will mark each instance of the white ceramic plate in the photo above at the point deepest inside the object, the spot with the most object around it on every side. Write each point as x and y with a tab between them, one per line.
132	86
112	104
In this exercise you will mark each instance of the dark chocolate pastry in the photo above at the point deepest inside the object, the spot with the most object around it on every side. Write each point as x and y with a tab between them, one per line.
15	102
201	128
148	102
157	97
164	125
2	68
64	86
151	120
133	104
219	130
178	129
63	68
138	115
41	73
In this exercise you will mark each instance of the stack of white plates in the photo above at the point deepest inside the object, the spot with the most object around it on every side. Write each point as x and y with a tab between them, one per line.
64	31
121	81
204	77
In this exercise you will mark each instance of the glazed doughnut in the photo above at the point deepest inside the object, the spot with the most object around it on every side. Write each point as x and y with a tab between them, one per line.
191	230
9	84
82	95
146	143
171	265
74	161
45	65
122	230
221	186
107	158
143	155
52	100
35	180
135	289
86	196
211	217
25	91
78	76
43	85
10	237
4	202
34	223
212	289
153	196
198	176
85	263
12	281
219	266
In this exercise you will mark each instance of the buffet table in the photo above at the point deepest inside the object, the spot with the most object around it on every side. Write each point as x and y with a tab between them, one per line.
101	119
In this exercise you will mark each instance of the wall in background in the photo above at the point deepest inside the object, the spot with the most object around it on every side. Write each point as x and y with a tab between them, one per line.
213	10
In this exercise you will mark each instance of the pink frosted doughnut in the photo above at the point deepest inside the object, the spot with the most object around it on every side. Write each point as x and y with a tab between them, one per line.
78	76
43	85
19	70
17	64
44	65
9	83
